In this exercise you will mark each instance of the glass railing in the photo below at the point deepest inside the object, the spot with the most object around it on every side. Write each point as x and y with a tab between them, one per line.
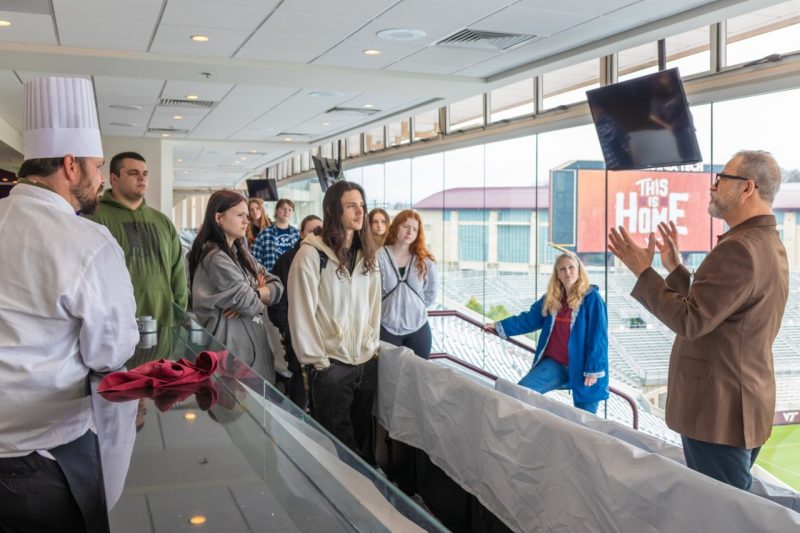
235	454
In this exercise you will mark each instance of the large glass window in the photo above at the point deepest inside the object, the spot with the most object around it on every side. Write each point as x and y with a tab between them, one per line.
466	113
426	125
373	140
511	101
569	85
772	30
637	61
398	133
689	51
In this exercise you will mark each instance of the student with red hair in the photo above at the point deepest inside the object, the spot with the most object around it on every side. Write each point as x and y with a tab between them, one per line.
409	283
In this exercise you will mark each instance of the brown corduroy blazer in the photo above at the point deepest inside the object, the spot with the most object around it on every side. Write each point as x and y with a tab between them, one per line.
721	385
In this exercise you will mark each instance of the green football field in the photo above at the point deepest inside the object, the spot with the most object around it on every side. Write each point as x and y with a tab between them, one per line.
781	455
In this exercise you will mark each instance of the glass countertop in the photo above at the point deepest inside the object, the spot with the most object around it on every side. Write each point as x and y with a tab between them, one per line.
234	455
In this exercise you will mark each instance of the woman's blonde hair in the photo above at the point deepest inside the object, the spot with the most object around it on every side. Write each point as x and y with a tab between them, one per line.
262	224
555	290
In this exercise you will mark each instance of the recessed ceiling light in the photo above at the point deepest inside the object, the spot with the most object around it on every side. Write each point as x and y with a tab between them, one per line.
124	124
192	97
324	94
200	38
243	158
5	23
326	123
177	117
190	416
126	107
165	134
197	520
369	105
372	52
288	139
400	34
179	160
253	152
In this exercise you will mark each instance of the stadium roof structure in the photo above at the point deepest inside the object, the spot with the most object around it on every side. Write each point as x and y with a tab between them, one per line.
488	198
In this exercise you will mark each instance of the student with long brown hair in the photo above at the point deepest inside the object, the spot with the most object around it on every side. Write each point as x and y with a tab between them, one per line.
230	290
335	314
258	220
573	345
409	282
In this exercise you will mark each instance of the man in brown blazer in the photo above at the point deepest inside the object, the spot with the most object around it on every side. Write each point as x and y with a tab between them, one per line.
721	389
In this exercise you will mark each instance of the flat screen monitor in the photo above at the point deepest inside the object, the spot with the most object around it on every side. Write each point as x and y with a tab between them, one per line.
328	171
644	122
266	189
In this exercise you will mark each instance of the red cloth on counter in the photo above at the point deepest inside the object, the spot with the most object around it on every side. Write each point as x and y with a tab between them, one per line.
166	382
163	373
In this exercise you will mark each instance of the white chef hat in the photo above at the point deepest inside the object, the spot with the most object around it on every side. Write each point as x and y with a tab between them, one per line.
60	119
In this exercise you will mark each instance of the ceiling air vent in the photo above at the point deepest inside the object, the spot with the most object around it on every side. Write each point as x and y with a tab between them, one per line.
177	102
168	130
353	111
486	40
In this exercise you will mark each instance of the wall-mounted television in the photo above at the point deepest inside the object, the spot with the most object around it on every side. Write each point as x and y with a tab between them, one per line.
328	171
266	189
644	122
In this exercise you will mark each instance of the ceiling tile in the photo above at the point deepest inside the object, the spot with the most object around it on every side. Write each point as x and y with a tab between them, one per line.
172	39
27	28
420	67
112	10
362	9
530	21
452	56
267	45
213	15
204	90
312	24
105	34
409	13
125	87
582	7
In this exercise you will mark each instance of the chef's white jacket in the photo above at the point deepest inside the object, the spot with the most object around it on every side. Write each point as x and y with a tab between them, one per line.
66	307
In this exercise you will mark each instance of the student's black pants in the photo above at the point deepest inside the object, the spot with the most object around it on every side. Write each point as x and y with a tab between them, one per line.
419	342
342	396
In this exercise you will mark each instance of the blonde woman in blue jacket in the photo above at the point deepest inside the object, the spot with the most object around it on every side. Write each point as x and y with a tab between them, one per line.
573	347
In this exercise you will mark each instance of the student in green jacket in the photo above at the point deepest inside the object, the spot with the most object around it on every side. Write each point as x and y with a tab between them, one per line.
152	248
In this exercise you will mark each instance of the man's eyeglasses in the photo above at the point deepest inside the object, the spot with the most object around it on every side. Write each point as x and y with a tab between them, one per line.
721	175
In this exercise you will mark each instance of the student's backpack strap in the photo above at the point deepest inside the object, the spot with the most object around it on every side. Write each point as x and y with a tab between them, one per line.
323	260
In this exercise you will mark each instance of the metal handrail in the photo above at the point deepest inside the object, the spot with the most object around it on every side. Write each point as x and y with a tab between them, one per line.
489	375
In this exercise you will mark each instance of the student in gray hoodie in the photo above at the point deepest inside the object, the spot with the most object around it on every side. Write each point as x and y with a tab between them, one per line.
409	283
230	290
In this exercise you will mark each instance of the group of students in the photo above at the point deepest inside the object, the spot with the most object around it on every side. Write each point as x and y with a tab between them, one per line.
333	289
341	283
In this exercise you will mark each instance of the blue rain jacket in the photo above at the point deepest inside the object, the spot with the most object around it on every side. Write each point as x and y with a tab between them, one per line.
588	342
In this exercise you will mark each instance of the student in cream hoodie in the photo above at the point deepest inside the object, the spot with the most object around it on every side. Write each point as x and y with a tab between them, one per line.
334	317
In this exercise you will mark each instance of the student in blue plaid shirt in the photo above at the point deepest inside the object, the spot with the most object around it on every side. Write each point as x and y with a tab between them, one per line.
281	237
